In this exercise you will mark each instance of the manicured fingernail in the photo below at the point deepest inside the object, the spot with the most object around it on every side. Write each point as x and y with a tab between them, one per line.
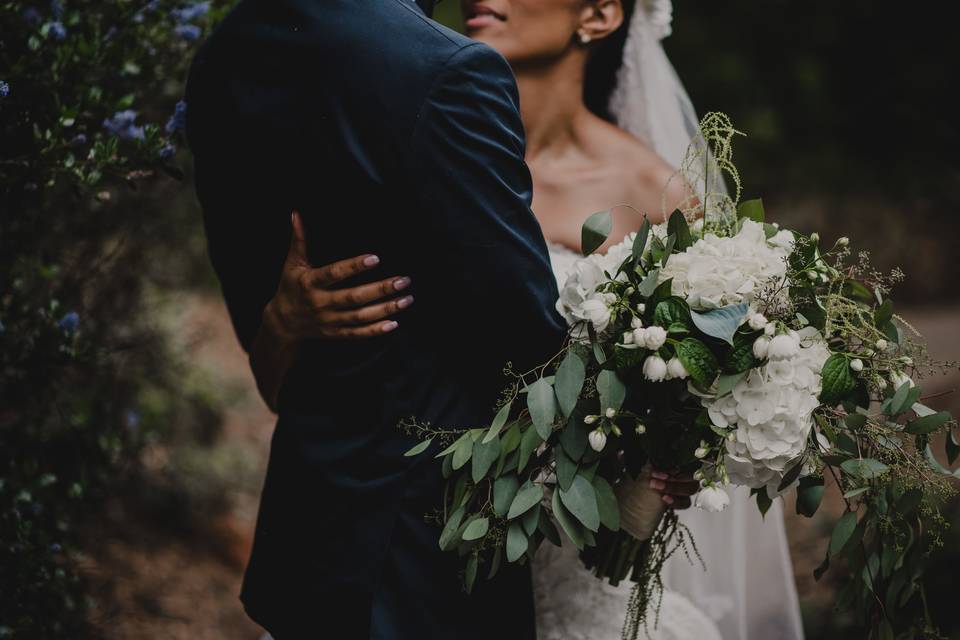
668	499
403	303
390	326
658	485
371	261
659	475
401	283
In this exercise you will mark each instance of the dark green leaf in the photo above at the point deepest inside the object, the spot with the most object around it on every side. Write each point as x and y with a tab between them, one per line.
447	535
567	522
453	447
671	311
607	504
721	323
726	383
476	529
822	569
764	501
809	495
581	501
574	436
884	313
547	528
528	495
542	406
868	468
677	227
569	382
842	532
649	284
640	242
668	249
791	476
837	379
699	361
899	401
595	231
495	563
419	448
504	491
928	424
751	210
566	469
516	542
530	441
530	519
741	358
855	421
470	574
463	452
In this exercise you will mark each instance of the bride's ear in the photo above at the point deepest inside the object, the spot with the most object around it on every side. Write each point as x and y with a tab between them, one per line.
599	19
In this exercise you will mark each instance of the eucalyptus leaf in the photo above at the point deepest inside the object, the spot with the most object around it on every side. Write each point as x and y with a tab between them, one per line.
928	424
751	210
809	496
612	391
450	529
566	469
516	542
581	501
721	323
504	491
495	562
528	443
595	231
547	528
842	532
867	468
484	455
530	519
528	495
607	504
567	522
476	529
470	574
569	382
649	284
463	452
498	422
899	401
542	406
640	241
419	448
453	447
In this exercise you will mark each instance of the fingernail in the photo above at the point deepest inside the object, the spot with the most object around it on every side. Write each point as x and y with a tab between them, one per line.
659	474
371	261
403	303
401	283
668	499
657	485
390	326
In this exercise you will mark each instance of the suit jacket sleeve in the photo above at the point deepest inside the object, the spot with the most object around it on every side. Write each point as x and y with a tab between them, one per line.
475	191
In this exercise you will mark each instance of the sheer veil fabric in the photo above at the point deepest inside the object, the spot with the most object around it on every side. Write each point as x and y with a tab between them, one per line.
748	588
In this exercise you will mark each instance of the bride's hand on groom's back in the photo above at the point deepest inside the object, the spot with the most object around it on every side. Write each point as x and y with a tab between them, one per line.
307	306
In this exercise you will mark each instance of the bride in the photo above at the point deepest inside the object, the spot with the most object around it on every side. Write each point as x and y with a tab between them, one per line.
607	121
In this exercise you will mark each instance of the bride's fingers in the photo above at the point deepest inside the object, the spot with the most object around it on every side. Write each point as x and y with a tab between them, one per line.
675	487
359	333
367	315
677	503
327	275
359	296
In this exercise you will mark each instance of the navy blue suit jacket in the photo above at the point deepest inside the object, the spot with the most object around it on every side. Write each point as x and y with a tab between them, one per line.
395	136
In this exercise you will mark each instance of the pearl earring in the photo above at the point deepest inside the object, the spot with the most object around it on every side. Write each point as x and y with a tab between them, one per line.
585	38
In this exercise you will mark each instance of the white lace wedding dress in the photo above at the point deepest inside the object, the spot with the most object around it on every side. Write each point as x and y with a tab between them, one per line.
572	604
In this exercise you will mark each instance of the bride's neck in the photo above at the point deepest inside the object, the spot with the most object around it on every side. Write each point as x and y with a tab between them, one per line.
551	104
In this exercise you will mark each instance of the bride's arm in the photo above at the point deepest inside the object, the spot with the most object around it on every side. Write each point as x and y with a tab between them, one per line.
305	306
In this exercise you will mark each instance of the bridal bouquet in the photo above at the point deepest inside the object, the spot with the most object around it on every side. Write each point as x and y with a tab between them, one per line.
730	349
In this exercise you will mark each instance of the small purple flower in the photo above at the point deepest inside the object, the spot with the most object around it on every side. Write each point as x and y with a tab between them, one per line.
4	89
167	151
191	12
189	32
70	322
179	118
32	17
58	31
123	124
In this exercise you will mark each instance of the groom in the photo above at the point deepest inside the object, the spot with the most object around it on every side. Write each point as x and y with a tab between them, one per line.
396	136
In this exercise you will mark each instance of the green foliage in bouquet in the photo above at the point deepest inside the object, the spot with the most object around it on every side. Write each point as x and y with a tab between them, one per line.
89	122
717	345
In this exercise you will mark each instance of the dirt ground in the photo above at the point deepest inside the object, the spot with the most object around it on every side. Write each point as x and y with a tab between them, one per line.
176	587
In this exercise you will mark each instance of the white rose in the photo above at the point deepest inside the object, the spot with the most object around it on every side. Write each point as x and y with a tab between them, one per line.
761	347
636	323
655	369
640	337
596	312
712	499
783	346
676	370
598	439
655	337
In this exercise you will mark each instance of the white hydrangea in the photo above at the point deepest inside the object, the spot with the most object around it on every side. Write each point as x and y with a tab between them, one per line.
718	271
770	414
579	300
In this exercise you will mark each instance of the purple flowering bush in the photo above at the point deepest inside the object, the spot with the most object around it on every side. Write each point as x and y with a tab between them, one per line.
90	123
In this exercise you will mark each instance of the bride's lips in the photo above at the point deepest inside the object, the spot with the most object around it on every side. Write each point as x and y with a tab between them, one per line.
478	16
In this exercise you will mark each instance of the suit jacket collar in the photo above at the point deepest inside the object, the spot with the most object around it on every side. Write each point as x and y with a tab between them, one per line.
426	6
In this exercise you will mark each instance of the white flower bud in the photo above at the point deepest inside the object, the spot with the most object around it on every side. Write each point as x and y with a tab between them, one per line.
636	323
814	237
898	379
640	337
655	337
641	429
775	225
598	439
698	475
611	413
590	419
843	242
782	347
856	364
676	370
812	275
761	347
655	369
881	383
616	431
907	360
628	337
770	329
882	344
641	308
712	499
701	453
757	321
